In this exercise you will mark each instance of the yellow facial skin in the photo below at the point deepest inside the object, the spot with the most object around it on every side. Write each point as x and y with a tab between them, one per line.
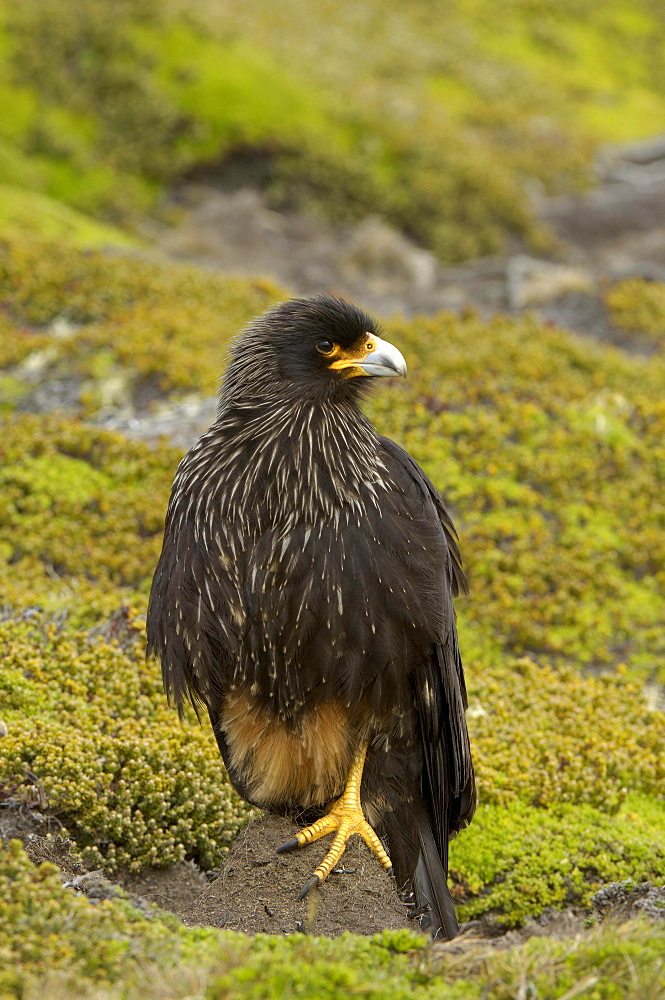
371	356
349	359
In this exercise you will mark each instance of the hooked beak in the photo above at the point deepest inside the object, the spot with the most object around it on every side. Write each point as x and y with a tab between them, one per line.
378	358
384	360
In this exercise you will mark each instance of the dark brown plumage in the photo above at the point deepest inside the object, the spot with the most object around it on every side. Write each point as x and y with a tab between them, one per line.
304	597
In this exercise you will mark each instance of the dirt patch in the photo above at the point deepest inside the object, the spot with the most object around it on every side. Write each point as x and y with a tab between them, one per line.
175	889
57	851
256	890
74	875
23	820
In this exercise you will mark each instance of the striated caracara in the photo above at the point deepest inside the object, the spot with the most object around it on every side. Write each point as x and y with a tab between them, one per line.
304	596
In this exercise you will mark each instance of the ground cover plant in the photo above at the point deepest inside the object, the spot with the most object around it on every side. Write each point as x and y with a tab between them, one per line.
52	939
435	115
638	307
550	452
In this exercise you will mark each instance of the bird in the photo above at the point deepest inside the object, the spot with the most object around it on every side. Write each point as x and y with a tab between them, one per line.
303	598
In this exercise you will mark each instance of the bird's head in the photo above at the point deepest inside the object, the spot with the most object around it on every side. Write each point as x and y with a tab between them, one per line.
320	347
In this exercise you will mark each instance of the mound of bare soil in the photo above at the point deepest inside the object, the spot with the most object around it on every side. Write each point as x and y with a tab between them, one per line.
256	890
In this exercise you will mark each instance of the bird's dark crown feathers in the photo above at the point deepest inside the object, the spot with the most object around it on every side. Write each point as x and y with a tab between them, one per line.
277	352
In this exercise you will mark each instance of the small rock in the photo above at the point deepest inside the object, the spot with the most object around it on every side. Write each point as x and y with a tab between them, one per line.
62	329
625	900
531	282
642	153
654	695
3	728
36	363
385	255
112	392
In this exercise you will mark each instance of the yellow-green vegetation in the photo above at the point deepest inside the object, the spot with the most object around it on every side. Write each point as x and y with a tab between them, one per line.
81	515
55	943
434	115
133	329
28	213
638	306
518	860
528	721
551	453
118	769
47	930
134	787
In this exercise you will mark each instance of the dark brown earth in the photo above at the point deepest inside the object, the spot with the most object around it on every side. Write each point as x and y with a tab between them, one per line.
24	818
175	888
257	890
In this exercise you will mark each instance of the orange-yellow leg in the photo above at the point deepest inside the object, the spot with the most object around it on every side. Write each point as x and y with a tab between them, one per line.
344	818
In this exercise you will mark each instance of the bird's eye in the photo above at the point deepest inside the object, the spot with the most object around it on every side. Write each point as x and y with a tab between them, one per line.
325	346
369	346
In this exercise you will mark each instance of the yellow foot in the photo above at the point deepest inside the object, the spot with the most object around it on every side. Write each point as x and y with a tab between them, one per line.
344	818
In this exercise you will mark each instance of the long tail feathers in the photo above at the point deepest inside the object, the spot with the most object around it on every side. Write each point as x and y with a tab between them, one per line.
431	887
420	869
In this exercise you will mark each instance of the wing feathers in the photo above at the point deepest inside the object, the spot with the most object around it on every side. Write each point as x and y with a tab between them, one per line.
447	779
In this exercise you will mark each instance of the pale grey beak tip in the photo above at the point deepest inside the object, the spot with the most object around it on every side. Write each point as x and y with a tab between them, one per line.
386	360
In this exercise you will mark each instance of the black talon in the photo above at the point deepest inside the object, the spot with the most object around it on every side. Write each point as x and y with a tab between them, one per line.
288	846
389	871
311	884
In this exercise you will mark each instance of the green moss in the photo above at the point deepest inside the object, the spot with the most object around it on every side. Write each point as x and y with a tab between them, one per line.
373	969
56	943
90	113
28	213
550	736
133	785
514	862
638	306
236	91
81	513
12	391
48	933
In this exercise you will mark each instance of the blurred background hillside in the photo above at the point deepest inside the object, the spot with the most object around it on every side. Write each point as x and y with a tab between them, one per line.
490	180
368	148
446	118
